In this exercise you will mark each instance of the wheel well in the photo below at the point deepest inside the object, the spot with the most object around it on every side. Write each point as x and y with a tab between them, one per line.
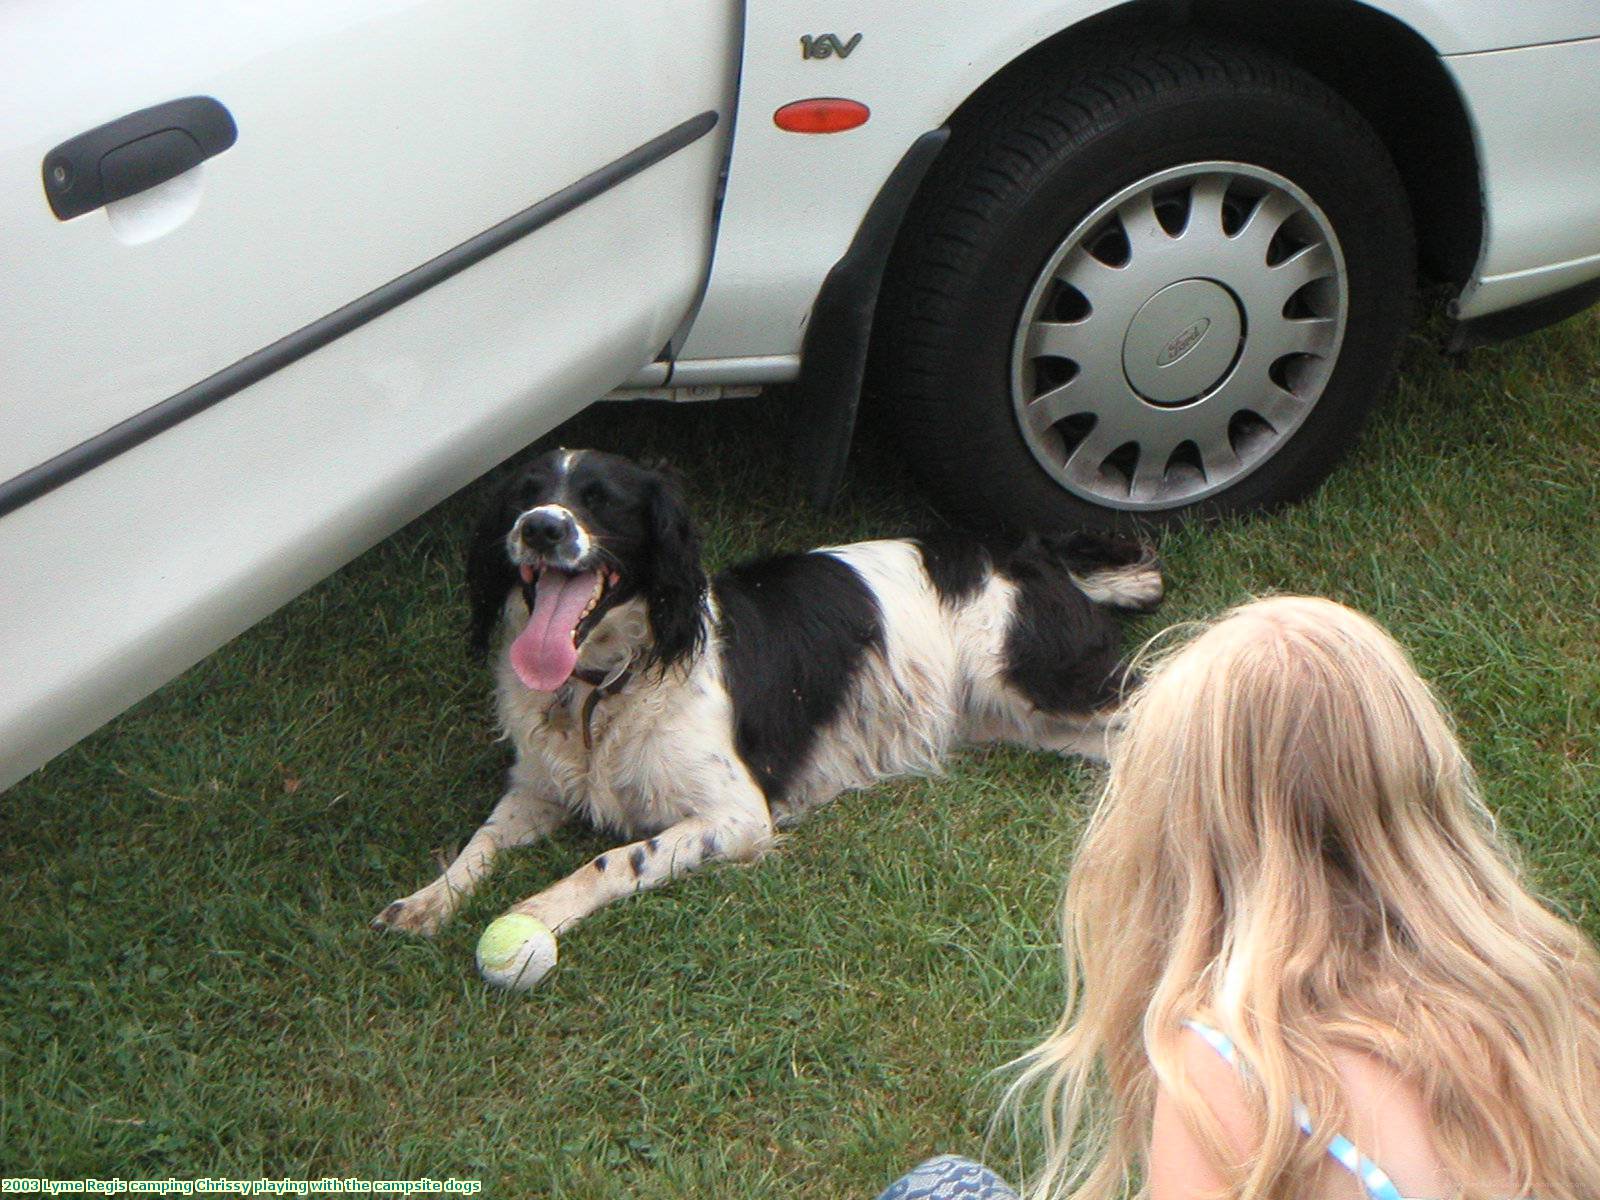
1381	67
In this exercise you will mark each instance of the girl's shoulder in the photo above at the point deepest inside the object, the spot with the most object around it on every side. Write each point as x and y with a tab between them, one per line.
1211	1062
1387	1115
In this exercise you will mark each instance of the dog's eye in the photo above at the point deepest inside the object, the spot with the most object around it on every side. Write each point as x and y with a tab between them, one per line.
594	495
529	489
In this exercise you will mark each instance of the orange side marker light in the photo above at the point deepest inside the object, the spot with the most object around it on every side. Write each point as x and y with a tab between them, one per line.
825	114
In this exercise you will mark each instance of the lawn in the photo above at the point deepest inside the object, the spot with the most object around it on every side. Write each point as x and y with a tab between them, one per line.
189	986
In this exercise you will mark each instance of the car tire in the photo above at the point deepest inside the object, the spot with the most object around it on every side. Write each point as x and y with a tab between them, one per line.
1162	277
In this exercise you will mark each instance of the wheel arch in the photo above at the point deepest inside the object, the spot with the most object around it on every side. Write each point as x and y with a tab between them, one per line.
1056	145
1382	67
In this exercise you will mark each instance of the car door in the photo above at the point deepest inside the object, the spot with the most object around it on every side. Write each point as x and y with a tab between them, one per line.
275	278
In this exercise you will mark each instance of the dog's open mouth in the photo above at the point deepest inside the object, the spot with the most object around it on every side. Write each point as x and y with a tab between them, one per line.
563	607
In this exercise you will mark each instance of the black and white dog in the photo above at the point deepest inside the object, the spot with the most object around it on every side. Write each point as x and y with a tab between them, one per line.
696	715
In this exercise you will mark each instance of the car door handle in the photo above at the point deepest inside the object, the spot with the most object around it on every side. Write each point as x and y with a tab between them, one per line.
135	152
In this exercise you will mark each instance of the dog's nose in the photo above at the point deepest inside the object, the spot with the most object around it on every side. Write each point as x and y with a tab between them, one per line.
546	528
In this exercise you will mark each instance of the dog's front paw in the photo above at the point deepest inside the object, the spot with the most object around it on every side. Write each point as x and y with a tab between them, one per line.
422	913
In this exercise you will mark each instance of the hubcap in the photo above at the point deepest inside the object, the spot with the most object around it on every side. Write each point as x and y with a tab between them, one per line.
1181	341
1179	335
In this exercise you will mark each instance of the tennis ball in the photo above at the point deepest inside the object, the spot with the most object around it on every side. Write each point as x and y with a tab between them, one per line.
516	951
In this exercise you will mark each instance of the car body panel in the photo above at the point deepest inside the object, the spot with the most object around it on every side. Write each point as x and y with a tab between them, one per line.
167	551
1537	128
1465	26
120	578
325	196
794	201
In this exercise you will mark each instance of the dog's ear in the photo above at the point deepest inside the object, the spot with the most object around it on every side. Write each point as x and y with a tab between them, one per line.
677	588
490	574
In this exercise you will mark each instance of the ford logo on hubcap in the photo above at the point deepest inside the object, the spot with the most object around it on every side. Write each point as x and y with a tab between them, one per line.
1186	341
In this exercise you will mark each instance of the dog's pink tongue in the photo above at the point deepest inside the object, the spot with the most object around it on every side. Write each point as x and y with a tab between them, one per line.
543	655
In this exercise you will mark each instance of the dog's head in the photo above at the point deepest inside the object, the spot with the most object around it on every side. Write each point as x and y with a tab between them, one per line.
580	532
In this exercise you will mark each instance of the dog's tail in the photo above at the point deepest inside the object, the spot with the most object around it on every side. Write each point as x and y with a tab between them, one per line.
1118	572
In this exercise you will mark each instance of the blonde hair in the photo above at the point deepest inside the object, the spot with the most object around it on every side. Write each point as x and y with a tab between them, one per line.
1292	846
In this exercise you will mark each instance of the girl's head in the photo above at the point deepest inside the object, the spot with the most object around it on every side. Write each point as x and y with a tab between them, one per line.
1287	769
1291	845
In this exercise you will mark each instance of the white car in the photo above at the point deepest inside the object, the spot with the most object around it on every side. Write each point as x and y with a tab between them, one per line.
278	277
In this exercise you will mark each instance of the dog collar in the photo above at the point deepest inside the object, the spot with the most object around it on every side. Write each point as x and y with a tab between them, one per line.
605	685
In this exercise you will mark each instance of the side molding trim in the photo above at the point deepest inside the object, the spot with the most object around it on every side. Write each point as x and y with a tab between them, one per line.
142	426
1524	318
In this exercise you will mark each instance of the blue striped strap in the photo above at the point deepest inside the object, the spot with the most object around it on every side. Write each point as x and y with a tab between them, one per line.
1341	1149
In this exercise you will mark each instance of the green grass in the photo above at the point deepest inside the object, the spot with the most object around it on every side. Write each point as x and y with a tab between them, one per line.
188	985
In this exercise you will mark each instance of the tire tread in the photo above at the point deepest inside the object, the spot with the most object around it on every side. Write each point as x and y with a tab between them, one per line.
1006	141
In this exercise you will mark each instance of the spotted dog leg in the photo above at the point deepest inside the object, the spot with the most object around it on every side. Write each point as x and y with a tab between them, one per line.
524	814
738	836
